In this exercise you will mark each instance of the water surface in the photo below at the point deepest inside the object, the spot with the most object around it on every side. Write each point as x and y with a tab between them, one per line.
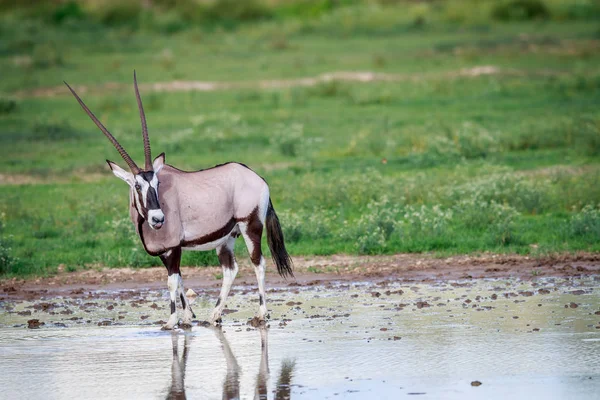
368	340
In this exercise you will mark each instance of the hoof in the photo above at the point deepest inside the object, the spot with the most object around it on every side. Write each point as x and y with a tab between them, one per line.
186	325
257	322
188	315
218	321
167	328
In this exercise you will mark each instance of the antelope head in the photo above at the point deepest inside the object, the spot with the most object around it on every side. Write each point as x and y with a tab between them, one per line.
143	183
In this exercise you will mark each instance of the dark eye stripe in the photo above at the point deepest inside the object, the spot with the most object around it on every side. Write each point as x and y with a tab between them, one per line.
152	199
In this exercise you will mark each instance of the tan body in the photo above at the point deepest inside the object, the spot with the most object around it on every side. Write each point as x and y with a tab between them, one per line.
202	208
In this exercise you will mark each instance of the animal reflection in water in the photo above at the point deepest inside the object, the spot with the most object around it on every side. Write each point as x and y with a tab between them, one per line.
231	384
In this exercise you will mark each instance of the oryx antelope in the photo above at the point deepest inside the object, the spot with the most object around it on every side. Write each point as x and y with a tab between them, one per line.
174	210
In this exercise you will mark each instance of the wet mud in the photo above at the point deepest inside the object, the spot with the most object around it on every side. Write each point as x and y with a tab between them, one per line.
314	270
465	338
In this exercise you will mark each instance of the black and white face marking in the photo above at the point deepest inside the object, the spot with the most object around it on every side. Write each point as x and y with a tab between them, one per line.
145	193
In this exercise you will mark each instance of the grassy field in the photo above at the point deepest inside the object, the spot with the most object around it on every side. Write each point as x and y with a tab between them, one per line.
448	157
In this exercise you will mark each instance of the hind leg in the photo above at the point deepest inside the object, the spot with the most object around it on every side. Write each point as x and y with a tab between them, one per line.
230	270
252	233
259	270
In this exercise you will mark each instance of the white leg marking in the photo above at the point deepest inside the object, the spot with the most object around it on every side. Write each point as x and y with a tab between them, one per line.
172	284
260	277
229	275
188	314
260	274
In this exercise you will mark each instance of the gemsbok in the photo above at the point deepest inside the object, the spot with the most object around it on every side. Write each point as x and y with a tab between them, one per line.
174	210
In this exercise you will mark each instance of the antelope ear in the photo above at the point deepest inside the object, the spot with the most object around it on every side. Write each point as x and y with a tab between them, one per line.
158	163
121	173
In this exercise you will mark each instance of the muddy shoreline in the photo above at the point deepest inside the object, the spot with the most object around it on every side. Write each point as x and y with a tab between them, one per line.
311	271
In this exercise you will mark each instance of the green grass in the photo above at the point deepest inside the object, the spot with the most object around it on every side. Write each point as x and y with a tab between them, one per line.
506	163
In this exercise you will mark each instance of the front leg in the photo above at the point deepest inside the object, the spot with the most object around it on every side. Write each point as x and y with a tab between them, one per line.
188	314
172	260
172	284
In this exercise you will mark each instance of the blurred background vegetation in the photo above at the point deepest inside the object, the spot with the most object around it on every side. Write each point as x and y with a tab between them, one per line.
170	16
474	125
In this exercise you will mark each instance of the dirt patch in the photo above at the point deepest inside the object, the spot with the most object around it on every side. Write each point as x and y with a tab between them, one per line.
314	270
74	177
20	179
559	170
341	76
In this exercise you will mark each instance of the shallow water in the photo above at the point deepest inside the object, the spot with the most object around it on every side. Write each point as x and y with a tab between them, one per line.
367	340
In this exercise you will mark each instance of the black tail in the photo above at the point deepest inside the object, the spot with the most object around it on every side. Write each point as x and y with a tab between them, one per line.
275	239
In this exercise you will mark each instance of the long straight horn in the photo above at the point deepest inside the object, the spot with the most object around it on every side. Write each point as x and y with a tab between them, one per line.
134	168
144	126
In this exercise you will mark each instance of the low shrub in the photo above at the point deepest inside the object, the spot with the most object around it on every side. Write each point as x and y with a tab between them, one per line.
518	192
373	228
359	188
423	220
70	10
586	223
7	260
372	242
52	131
47	56
328	89
122	230
288	139
503	233
367	98
202	258
229	13
587	136
305	8
120	13
467	142
87	222
520	10
7	106
577	10
168	22
477	214
312	224
138	258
